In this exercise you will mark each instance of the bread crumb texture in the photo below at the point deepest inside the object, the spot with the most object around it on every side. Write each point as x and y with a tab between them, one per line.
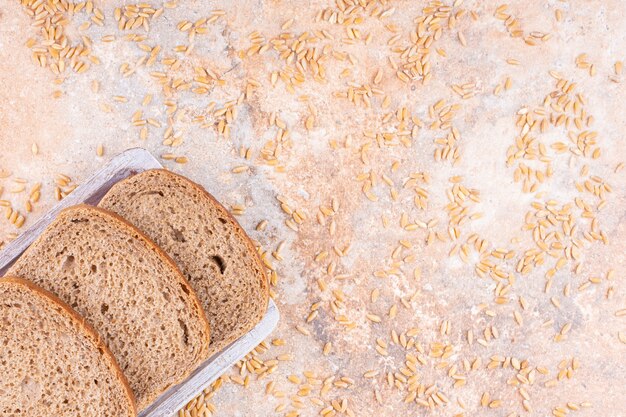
206	242
127	290
52	364
435	188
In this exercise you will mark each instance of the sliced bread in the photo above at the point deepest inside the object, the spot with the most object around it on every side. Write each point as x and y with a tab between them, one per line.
211	249
128	290
51	362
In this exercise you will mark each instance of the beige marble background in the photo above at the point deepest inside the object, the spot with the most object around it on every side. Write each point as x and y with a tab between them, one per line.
564	339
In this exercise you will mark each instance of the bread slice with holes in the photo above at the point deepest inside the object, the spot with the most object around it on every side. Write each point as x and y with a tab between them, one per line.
51	362
211	249
128	290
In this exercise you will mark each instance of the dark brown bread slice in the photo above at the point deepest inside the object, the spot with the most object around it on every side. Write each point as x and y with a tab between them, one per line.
207	243
128	290
51	362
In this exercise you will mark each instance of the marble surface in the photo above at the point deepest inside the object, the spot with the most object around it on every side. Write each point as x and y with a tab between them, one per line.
446	236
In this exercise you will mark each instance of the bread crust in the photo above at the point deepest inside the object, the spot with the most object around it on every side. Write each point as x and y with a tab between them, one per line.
88	330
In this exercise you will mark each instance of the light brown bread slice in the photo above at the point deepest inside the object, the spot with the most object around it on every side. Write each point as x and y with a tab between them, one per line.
51	362
128	290
207	243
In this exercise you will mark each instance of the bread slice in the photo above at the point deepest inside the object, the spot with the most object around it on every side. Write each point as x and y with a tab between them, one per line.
51	362
128	290
211	249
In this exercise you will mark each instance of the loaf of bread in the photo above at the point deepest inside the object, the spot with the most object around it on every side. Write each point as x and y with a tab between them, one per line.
128	290
51	362
211	249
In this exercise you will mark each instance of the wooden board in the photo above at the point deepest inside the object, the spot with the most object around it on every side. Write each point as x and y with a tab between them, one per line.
129	163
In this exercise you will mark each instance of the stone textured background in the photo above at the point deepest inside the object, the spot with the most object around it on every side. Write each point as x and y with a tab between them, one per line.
535	274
